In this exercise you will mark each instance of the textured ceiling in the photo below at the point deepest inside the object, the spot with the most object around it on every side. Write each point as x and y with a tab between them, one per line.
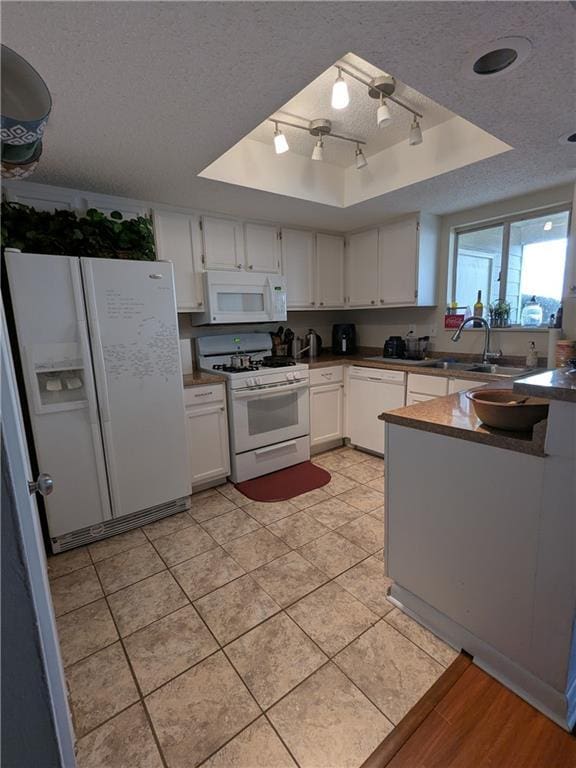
146	95
358	120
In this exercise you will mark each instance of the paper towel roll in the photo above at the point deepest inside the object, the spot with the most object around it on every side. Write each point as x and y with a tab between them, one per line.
553	336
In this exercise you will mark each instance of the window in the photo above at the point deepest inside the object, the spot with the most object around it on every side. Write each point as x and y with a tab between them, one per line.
512	260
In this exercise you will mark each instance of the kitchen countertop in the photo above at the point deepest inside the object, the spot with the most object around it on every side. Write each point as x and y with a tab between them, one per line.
198	378
454	416
553	385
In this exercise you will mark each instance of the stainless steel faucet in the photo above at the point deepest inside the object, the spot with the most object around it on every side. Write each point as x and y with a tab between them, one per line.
488	355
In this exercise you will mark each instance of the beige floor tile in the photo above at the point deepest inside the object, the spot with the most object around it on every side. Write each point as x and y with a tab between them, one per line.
128	567
309	498
168	525
366	532
230	526
206	572
363	498
363	472
140	604
206	507
184	544
374	461
197	712
298	529
168	647
100	687
267	512
377	484
273	658
126	741
328	723
392	671
288	578
438	649
122	542
233	494
378	513
75	589
332	617
67	562
332	553
366	581
255	549
333	513
257	746
338	484
85	630
235	608
336	463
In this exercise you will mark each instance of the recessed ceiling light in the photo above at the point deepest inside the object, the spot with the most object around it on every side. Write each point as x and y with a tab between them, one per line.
568	138
497	57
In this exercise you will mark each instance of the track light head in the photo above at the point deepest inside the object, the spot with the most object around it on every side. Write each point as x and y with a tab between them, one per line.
361	161
318	151
415	136
383	115
280	142
340	95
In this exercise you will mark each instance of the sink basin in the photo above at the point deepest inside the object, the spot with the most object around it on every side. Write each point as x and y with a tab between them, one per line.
445	365
501	370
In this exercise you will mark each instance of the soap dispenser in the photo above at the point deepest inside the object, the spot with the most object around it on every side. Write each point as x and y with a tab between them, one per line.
532	356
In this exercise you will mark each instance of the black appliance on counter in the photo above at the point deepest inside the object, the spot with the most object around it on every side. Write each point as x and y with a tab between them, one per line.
395	346
344	339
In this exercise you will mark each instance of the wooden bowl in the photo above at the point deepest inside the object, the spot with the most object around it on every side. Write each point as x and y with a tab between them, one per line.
505	409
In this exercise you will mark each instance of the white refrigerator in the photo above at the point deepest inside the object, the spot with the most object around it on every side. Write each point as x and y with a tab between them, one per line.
99	347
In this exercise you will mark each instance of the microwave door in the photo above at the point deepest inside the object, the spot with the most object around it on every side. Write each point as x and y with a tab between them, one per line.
239	304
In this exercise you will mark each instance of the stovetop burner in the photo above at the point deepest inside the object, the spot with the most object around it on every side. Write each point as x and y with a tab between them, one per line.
277	361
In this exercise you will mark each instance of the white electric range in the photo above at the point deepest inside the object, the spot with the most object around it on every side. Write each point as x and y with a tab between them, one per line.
268	403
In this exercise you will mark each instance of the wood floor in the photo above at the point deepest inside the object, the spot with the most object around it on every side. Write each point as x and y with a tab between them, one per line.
469	720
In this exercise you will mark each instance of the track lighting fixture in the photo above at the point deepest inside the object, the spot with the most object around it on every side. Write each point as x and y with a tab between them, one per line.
383	116
415	133
340	95
361	161
318	151
280	143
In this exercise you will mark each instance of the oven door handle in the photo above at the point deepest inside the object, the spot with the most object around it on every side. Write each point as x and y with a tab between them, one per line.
267	391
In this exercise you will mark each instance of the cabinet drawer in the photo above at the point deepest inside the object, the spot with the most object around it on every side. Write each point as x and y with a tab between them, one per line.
461	385
330	375
203	395
427	385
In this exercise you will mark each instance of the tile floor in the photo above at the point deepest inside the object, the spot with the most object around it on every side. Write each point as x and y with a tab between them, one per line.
242	634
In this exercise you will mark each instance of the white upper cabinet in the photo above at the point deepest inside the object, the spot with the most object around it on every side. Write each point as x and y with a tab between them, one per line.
298	267
329	271
178	240
107	205
262	247
408	261
362	269
40	197
223	243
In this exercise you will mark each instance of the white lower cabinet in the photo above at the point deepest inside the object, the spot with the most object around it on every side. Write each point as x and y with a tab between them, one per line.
371	392
461	385
412	398
207	430
326	406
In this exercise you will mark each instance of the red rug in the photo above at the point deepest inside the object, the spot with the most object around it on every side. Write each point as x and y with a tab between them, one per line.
286	483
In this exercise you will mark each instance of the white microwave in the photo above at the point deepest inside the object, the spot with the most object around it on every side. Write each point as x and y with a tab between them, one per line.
244	297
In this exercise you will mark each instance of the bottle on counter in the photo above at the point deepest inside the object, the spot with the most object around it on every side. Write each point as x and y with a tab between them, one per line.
558	323
552	321
478	310
532	356
531	316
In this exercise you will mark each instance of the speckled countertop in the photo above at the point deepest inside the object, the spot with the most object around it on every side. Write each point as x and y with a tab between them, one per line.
454	416
553	385
198	378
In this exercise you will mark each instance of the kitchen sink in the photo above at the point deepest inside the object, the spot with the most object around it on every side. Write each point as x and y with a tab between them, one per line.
446	365
499	370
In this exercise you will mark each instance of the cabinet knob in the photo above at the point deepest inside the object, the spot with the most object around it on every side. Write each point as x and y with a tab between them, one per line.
251	266
381	301
312	303
238	266
372	302
321	303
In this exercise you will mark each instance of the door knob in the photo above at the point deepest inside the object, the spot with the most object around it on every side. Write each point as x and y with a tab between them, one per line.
44	485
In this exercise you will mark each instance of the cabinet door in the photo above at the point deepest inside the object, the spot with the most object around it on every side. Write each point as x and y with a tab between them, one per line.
107	205
207	428
326	413
461	385
436	386
223	245
42	198
398	253
364	404
329	271
262	244
298	267
362	269
412	398
177	241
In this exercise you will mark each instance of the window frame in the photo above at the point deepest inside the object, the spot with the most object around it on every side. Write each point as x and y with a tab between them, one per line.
505	222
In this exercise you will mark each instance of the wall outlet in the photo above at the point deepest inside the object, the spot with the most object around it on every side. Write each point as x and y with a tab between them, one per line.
433	330
412	328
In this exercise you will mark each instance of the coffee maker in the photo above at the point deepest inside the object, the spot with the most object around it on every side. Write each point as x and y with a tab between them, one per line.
344	339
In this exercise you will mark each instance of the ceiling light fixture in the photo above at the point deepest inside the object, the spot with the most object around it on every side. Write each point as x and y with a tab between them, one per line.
340	95
280	142
496	57
361	161
415	133
318	151
383	115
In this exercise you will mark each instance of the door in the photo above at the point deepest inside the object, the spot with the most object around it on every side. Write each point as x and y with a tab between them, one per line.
398	254
33	558
362	269
52	335
329	271
135	346
326	413
262	248
223	244
208	442
298	267
368	398
177	240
